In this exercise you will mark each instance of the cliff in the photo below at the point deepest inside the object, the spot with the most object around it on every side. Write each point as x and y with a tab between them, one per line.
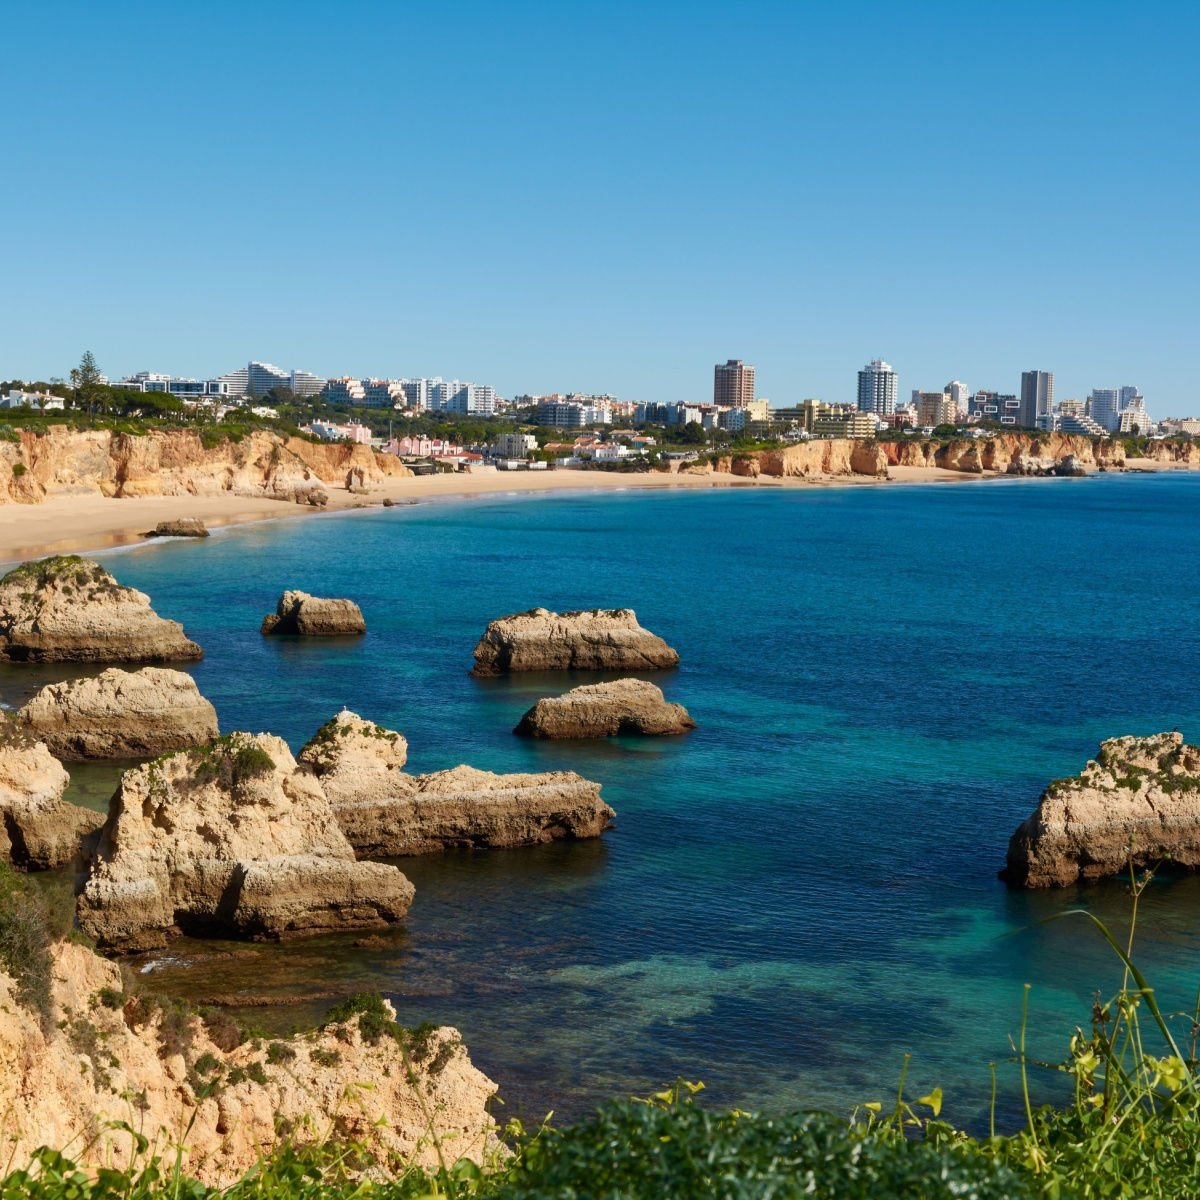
594	640
120	714
235	839
62	461
1139	800
108	1066
39	830
629	706
70	609
384	813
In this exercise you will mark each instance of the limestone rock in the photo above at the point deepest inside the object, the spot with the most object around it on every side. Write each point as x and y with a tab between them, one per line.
121	714
596	640
70	1087
191	527
384	812
1139	798
70	609
605	710
312	616
234	839
39	830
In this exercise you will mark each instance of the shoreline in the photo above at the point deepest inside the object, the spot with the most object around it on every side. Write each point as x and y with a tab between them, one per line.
91	523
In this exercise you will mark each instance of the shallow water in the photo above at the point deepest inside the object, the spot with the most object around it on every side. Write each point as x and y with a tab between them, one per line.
804	888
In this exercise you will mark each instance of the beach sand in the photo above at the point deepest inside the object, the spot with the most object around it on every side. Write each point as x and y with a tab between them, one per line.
70	524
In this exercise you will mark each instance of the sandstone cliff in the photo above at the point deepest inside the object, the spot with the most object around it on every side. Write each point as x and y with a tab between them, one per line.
235	839
120	714
605	710
61	461
596	640
108	1063
70	609
384	812
1140	798
312	616
1008	453
39	830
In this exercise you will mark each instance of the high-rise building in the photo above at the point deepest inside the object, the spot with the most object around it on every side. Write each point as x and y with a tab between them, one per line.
993	406
1105	406
1037	400
733	384
303	383
877	388
960	394
935	408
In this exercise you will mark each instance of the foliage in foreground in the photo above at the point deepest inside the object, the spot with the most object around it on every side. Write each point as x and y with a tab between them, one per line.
1132	1130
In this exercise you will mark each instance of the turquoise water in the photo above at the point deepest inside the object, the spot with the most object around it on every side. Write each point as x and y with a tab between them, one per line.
804	888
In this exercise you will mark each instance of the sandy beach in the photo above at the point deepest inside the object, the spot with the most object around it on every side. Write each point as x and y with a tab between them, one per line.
70	524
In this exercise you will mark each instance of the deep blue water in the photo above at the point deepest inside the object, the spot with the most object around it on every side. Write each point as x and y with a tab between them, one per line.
804	888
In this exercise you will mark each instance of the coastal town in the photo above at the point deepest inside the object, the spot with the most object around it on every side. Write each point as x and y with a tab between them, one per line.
435	424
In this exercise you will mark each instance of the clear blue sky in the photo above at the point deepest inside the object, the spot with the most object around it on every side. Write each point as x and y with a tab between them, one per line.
609	196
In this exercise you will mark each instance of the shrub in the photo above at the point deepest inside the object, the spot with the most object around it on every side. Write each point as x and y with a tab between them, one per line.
25	938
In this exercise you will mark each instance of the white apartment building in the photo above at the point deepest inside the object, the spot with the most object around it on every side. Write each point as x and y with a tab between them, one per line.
877	388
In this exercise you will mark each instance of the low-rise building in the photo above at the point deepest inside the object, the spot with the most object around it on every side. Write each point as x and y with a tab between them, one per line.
851	424
515	445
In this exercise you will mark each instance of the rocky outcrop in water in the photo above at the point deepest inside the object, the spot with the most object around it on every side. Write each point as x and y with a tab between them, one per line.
39	830
189	527
70	609
598	639
384	812
1138	801
231	840
312	616
120	714
626	706
107	1059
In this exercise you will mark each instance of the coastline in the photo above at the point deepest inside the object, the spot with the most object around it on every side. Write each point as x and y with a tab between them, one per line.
71	524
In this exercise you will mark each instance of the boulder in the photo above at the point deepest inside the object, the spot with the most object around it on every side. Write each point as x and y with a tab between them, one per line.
40	830
233	840
605	710
384	812
312	616
189	527
1073	467
1138	801
596	640
70	609
121	714
108	1057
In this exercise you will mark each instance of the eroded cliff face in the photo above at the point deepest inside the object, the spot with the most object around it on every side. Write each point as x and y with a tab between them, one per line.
234	839
62	461
1027	453
100	1057
1138	801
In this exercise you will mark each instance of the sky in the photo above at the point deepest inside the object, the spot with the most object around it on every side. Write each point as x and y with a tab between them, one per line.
606	197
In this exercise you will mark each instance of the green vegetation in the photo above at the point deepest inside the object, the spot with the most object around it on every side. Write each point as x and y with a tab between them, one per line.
25	937
233	759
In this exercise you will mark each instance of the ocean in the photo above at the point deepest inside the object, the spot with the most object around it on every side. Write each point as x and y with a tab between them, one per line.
803	890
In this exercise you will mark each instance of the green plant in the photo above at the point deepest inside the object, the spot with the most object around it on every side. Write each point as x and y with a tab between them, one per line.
25	938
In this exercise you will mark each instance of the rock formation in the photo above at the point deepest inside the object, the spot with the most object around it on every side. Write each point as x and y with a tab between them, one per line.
312	616
121	714
605	710
40	830
70	609
190	527
108	1060
234	839
1139	799
384	812
596	640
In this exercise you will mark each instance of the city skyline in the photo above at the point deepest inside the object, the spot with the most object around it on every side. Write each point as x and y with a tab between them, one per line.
596	248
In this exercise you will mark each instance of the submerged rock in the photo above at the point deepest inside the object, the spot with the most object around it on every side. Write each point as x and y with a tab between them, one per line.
605	710
191	527
312	616
384	812
70	609
596	640
72	1081
231	840
39	830
121	714
1138	801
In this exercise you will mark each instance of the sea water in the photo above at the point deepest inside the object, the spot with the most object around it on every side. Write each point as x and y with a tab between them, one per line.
802	890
